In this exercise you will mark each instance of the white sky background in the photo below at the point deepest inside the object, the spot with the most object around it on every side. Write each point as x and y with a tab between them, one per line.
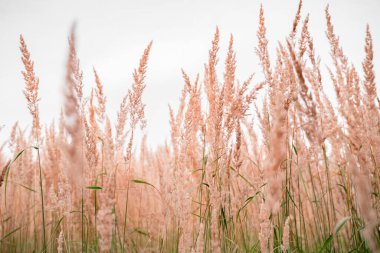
111	36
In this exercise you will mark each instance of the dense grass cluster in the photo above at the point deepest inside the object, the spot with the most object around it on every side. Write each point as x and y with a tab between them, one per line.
253	166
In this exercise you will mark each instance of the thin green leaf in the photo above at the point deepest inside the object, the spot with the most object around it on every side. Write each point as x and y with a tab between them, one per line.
247	201
240	175
326	243
26	187
94	187
141	232
139	181
7	175
295	149
18	155
205	184
10	233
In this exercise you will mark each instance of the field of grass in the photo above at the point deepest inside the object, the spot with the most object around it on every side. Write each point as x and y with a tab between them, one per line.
266	165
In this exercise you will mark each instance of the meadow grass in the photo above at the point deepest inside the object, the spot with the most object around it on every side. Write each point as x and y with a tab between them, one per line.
251	166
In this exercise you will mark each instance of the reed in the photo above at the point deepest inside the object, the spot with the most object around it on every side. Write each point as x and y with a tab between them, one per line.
252	165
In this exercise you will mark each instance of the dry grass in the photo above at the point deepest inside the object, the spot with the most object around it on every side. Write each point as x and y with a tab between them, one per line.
256	166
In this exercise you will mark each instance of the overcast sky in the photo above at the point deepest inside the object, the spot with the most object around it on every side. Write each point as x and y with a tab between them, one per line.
112	35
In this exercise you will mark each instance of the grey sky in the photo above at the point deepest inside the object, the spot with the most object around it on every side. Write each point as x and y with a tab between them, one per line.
113	34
